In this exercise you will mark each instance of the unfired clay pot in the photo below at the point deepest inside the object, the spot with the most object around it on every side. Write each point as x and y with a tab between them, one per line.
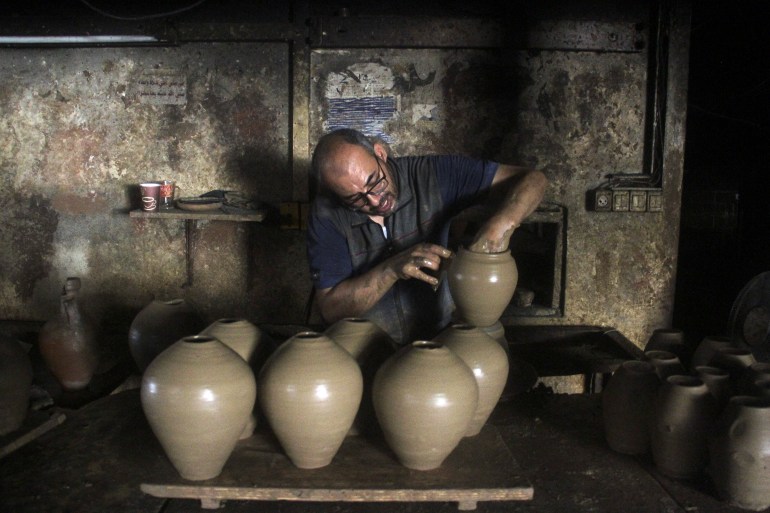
487	360
718	382
740	453
735	360
684	414
627	407
197	396
15	382
757	373
425	397
370	345
671	340
245	339
666	363
707	348
310	390
68	344
482	285
158	325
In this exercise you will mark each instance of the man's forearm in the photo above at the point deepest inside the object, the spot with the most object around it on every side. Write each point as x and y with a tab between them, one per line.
355	296
518	203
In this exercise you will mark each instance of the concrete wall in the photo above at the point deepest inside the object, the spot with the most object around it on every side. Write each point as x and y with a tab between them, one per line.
76	136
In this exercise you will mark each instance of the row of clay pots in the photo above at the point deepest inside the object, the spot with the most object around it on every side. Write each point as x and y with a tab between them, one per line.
714	417
425	396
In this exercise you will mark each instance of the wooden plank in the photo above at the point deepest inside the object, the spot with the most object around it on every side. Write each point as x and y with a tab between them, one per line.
216	215
33	433
481	468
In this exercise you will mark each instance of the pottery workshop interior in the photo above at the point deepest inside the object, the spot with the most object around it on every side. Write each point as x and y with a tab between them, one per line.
158	188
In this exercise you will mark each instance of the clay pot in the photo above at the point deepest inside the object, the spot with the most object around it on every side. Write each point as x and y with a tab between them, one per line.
245	339
683	415
740	453
482	285
708	348
718	382
487	360
735	360
666	363
310	390
671	340
425	397
158	325
68	345
15	383
197	396
627	407
752	379
370	346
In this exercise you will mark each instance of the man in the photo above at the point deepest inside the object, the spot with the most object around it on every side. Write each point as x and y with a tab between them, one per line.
378	229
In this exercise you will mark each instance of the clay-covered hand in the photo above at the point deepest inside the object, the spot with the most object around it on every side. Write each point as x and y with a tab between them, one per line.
493	237
412	262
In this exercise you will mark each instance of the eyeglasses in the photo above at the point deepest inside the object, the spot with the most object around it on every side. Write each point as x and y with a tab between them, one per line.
359	201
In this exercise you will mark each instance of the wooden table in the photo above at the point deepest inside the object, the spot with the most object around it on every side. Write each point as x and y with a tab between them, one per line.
98	460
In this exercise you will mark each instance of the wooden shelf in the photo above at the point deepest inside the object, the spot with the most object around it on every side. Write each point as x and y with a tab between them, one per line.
215	215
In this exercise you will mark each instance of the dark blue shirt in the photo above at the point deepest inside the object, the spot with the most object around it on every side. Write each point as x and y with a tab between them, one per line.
433	189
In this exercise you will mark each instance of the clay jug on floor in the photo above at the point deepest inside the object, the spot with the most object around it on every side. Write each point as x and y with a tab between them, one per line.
718	382
197	396
482	285
158	325
488	361
310	390
425	397
735	360
752	379
627	406
68	343
683	416
245	339
707	348
740	453
671	340
370	346
15	383
666	363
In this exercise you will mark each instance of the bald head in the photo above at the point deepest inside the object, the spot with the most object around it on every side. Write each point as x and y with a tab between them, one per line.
330	150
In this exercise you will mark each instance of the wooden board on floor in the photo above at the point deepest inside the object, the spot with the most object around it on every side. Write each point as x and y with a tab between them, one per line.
481	468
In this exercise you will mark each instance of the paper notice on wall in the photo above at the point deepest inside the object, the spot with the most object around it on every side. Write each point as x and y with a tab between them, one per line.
161	88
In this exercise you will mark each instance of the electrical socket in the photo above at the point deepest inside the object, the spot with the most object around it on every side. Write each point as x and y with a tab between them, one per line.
599	200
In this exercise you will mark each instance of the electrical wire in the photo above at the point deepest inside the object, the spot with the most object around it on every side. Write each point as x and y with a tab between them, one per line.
142	17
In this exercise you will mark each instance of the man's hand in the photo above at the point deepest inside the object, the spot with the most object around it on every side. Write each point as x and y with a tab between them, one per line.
492	238
411	262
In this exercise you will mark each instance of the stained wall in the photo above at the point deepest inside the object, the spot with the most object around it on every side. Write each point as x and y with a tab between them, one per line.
76	136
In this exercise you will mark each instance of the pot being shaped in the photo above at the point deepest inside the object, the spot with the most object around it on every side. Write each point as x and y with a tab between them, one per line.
740	453
158	325
684	413
197	396
425	397
482	285
310	390
370	346
487	360
627	407
68	346
15	383
245	339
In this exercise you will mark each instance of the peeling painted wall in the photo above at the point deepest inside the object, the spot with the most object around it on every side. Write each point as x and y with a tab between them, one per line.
77	135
